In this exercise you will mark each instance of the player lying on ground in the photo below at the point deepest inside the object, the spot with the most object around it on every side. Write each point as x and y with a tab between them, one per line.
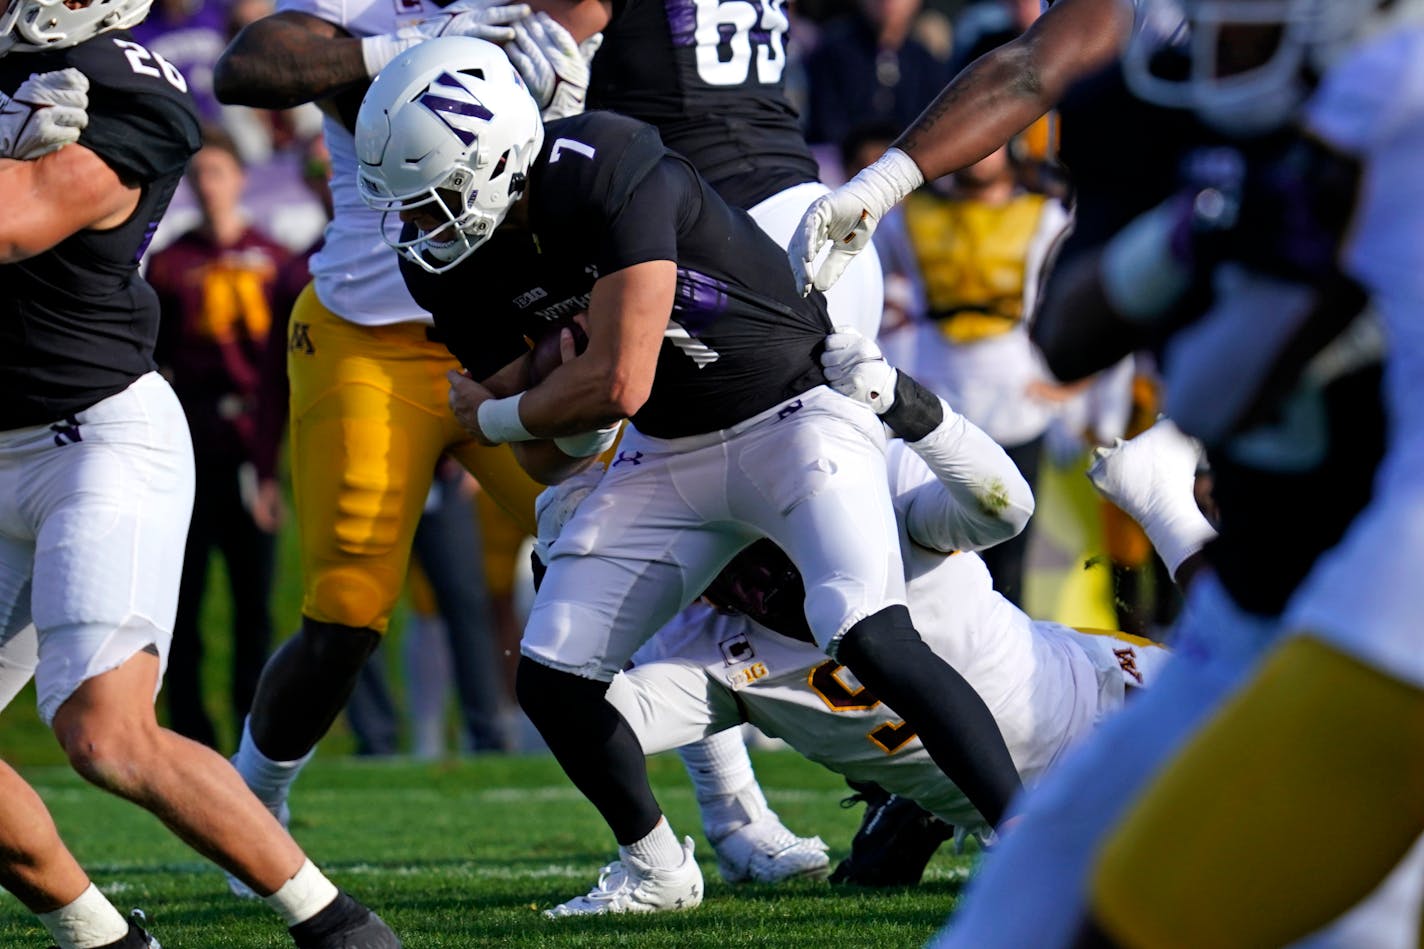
754	660
697	336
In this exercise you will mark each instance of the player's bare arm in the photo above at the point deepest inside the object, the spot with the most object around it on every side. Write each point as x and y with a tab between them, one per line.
628	312
582	18
286	59
1006	90
995	98
56	196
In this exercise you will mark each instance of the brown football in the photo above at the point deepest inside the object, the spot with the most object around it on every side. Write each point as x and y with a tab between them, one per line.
545	356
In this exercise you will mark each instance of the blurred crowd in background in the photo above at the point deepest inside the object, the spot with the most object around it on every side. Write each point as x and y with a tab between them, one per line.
962	259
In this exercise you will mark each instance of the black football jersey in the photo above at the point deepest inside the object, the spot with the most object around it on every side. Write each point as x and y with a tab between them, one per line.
711	77
77	322
1285	491
605	195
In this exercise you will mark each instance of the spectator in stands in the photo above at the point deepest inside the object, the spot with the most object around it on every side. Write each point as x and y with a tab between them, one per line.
216	285
869	66
981	239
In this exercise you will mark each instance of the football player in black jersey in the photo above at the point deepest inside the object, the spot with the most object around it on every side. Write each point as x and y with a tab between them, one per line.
96	474
1219	246
731	119
698	336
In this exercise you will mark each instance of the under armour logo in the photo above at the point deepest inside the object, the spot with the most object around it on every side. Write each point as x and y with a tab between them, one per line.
301	339
634	459
789	410
66	432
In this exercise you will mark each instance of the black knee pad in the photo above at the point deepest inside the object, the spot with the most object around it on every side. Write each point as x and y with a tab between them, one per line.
548	694
334	648
879	636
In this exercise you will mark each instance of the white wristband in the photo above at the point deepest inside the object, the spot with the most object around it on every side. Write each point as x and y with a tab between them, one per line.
883	182
376	51
499	420
589	443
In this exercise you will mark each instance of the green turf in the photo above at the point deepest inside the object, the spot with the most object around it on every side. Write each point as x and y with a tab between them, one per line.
465	853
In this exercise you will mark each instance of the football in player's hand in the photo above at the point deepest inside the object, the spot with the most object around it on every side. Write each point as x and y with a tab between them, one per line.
552	350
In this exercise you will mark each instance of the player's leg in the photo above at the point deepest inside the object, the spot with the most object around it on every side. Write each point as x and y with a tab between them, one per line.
751	842
1316	733
632	555
858	298
36	867
821	494
670	683
111	509
368	423
1030	890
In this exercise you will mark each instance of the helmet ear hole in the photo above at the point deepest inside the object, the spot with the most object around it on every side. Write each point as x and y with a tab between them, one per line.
499	165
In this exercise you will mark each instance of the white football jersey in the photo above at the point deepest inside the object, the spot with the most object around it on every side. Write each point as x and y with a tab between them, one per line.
356	273
1046	684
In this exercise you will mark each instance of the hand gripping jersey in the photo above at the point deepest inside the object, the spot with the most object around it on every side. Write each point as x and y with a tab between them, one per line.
77	322
605	195
711	77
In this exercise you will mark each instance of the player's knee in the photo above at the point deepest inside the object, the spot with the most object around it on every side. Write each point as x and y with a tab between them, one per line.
877	640
110	751
333	650
549	696
353	597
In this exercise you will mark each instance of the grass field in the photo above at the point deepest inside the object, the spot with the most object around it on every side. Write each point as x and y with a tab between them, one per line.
466	853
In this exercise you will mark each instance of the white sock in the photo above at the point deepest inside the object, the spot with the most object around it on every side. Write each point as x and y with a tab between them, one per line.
89	921
269	780
303	896
726	787
659	849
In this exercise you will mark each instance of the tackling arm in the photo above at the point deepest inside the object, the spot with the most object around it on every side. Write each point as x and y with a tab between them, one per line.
979	498
1006	90
286	59
57	195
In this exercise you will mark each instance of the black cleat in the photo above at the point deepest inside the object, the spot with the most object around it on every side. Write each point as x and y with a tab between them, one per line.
895	841
345	924
135	938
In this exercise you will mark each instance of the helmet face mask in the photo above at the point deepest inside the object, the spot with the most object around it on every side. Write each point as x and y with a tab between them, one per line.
32	26
1248	65
445	138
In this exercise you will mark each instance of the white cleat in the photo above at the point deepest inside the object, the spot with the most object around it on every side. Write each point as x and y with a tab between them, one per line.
764	851
241	890
1151	471
630	886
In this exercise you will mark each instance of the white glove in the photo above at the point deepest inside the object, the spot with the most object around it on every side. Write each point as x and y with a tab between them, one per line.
46	113
553	65
855	368
483	19
1151	478
848	216
555	505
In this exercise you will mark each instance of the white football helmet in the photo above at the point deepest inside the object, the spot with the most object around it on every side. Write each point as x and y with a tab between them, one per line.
447	128
1247	65
32	26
